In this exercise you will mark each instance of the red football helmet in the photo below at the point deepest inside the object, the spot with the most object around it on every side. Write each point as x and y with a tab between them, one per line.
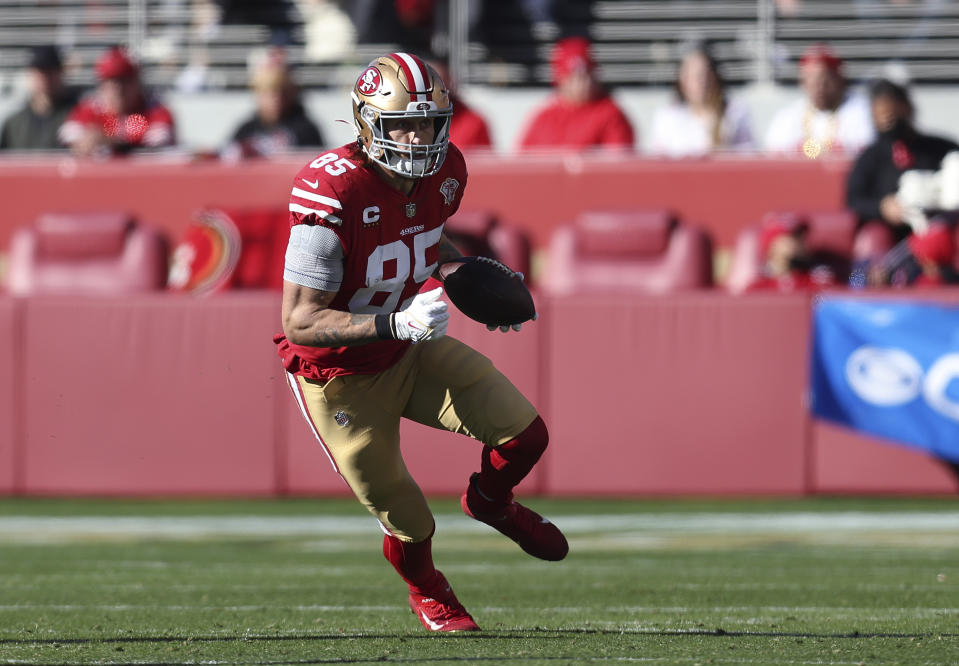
401	85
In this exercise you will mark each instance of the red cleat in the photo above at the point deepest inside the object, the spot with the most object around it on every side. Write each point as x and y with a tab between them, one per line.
443	612
534	534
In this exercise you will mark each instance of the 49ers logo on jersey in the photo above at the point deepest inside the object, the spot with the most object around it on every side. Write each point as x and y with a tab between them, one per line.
448	189
369	81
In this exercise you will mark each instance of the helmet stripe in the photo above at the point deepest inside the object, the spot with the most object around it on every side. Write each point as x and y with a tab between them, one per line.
416	76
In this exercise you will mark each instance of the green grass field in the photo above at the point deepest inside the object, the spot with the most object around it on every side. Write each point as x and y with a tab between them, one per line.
824	581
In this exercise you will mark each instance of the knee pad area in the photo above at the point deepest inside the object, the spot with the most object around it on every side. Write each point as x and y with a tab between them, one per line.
524	449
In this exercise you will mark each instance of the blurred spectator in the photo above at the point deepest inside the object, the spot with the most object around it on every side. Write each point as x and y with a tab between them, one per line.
788	7
701	119
875	176
924	259
278	16
328	32
119	116
935	252
408	23
581	114
829	118
468	129
35	126
280	122
788	265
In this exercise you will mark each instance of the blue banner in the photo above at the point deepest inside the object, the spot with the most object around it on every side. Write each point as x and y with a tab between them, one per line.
890	369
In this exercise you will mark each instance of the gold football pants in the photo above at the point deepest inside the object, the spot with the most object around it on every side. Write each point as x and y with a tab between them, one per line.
441	383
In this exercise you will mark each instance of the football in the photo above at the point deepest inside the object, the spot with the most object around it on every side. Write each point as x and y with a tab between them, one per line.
486	291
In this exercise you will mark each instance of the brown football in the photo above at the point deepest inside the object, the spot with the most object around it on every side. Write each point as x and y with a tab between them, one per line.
486	291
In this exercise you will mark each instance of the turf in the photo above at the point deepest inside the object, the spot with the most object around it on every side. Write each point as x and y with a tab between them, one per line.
824	581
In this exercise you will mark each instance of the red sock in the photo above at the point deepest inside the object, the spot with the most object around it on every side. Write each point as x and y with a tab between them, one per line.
414	563
504	466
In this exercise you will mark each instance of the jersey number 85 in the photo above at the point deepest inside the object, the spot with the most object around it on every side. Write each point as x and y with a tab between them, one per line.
398	251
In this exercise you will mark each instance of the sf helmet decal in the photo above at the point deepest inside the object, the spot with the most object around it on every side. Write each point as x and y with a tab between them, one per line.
369	81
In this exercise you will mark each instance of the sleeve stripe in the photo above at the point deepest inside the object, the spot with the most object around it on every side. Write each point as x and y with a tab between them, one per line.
329	217
318	198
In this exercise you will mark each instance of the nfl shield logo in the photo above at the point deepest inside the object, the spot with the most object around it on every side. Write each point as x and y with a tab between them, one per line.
410	209
341	418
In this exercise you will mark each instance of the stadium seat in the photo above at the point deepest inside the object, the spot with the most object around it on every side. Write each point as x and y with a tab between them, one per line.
264	235
86	253
644	251
832	238
481	233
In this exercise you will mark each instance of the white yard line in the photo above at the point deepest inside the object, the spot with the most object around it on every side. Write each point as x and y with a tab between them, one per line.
770	661
841	523
834	611
591	660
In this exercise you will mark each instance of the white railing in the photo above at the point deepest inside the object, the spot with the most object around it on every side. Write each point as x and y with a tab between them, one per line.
637	41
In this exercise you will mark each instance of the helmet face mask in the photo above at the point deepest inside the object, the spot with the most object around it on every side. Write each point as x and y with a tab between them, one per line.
401	86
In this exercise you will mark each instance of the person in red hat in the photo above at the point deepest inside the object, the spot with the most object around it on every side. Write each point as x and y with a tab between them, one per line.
935	252
788	265
119	116
581	114
829	118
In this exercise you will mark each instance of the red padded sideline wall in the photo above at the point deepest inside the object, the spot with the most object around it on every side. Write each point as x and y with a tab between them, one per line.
537	192
440	462
720	194
164	192
847	462
10	355
697	394
153	395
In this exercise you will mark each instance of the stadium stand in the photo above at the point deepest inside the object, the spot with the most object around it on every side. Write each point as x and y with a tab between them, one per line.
640	251
637	41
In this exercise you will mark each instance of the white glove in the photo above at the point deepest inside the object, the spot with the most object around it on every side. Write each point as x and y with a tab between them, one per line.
425	318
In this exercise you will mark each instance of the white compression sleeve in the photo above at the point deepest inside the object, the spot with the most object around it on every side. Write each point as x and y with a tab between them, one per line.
314	258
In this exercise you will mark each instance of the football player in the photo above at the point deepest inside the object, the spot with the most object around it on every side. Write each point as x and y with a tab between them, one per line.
363	348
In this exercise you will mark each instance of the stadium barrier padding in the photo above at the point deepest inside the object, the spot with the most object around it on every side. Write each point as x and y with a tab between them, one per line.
695	393
150	395
537	193
701	393
10	385
846	462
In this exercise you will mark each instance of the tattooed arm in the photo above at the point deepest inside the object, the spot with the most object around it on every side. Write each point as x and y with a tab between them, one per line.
447	252
307	320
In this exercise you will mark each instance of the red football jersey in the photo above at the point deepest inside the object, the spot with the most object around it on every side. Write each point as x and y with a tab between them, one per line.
390	247
467	128
599	122
152	126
